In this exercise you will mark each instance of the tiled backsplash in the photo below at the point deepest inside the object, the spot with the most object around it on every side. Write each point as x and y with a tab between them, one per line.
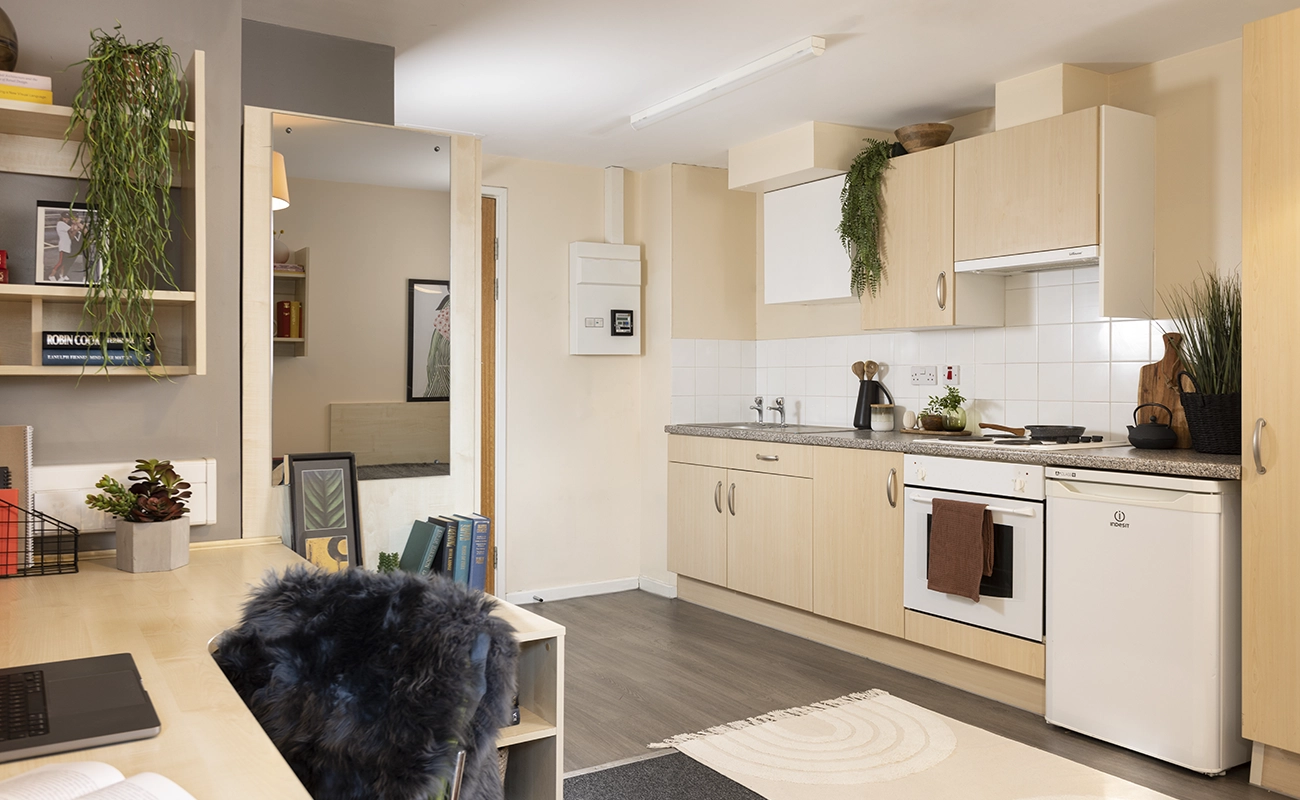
1056	362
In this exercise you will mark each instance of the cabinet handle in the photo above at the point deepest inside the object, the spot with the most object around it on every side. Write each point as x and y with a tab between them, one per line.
889	490
762	457
941	290
731	499
717	497
1260	424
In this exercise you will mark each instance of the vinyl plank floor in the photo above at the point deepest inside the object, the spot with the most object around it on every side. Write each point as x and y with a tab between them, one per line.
641	668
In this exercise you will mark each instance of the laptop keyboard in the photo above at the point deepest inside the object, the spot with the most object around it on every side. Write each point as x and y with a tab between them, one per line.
22	705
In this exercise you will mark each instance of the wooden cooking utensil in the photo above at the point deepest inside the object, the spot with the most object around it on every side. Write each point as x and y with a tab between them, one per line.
870	368
1158	383
859	369
991	426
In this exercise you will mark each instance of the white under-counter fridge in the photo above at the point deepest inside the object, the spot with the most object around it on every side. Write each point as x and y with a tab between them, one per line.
1144	614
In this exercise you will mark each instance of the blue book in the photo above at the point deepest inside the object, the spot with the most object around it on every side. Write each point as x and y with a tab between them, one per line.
478	564
464	535
421	546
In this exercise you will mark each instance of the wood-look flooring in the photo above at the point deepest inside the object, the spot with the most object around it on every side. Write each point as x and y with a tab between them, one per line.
641	668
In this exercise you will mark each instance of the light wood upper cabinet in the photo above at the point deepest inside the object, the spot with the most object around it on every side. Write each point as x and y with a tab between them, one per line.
858	537
1029	188
769	537
697	522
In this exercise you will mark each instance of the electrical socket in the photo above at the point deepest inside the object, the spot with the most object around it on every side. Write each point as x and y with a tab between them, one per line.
924	376
951	376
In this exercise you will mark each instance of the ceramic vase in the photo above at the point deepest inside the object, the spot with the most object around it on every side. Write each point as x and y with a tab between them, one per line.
153	546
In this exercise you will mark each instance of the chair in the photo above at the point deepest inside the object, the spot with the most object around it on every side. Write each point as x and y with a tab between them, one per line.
371	685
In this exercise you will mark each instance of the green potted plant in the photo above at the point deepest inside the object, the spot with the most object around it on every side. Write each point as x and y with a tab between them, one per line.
862	216
130	94
153	533
945	412
1208	314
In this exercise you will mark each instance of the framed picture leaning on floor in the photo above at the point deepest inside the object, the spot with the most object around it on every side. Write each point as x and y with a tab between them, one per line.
428	340
323	500
61	257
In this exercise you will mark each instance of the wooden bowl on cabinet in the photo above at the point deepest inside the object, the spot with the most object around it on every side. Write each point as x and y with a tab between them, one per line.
923	135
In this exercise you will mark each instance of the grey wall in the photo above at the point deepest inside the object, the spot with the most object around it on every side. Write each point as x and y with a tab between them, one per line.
312	73
121	419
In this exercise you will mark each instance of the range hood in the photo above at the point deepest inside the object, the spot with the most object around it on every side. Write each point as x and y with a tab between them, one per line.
1069	258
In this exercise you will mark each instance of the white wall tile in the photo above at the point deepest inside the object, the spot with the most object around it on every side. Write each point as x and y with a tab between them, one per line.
729	353
990	345
1022	345
1055	343
706	352
1092	383
1022	307
907	347
1056	277
706	409
731	408
683	352
816	410
796	382
837	349
683	410
749	382
729	380
706	380
1094	417
815	352
1124	377
1087	274
1022	381
1054	412
1158	329
1055	382
796	352
1130	340
1092	341
994	411
1020	413
1121	416
683	381
991	382
881	348
748	355
833	384
776	352
960	347
815	381
1055	304
1022	280
1086	302
775	382
933	347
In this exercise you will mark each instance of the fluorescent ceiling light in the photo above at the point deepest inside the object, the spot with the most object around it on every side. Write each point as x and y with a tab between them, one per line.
801	50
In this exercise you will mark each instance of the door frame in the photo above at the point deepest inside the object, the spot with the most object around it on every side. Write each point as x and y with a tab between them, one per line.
498	512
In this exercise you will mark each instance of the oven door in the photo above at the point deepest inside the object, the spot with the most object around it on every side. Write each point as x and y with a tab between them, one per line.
1011	600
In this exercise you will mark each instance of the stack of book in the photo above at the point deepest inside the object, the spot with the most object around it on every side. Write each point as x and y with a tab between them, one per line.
24	87
288	319
77	349
454	545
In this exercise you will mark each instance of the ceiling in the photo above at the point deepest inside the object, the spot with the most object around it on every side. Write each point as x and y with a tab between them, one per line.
557	80
359	152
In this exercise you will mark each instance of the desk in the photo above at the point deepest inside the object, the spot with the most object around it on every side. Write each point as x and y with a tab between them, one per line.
210	744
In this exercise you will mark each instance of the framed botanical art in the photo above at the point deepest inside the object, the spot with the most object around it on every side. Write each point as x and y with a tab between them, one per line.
323	500
428	340
60	256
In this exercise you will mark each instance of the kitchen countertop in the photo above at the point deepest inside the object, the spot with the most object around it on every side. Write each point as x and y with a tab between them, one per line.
1187	463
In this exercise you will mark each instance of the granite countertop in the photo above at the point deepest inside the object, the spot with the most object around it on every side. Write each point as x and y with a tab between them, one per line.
1186	463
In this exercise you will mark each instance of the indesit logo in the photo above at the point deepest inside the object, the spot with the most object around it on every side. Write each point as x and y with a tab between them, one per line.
1119	520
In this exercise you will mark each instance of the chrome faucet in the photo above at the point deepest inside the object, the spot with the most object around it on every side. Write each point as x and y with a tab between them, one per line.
779	408
758	406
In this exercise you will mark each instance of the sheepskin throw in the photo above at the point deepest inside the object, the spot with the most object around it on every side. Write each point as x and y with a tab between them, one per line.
370	684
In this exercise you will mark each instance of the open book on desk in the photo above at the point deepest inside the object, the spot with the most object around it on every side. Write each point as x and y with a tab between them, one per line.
89	780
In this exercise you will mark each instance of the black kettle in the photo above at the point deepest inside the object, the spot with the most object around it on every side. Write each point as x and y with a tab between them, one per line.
1152	435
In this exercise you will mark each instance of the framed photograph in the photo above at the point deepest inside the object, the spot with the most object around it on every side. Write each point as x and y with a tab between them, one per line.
428	340
323	498
60	257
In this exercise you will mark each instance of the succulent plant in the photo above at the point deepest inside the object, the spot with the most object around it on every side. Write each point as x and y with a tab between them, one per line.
158	494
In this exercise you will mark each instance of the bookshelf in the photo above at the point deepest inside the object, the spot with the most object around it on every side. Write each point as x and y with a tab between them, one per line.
32	143
292	286
535	770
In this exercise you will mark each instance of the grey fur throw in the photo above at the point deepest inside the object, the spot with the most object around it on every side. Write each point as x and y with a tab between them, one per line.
369	684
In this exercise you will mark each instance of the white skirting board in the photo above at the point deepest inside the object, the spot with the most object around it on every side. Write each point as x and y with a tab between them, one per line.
60	491
659	587
590	589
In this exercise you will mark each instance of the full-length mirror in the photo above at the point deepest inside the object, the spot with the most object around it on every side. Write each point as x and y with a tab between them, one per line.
362	295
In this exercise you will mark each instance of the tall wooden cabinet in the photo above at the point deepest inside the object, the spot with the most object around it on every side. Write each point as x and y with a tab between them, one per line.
1270	427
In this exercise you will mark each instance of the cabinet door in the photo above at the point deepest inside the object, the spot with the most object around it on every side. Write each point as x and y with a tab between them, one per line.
858	537
918	244
697	522
1028	188
769	537
803	260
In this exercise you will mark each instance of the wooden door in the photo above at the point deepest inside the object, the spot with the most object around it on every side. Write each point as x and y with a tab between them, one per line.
1028	188
1270	284
769	537
858	537
488	376
697	522
921	239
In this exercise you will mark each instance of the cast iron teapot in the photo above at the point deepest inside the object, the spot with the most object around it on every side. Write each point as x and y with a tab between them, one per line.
1152	435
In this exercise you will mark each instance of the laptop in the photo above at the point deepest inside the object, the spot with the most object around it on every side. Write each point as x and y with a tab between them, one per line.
71	705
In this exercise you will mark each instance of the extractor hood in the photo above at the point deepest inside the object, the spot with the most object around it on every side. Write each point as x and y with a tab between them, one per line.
1069	258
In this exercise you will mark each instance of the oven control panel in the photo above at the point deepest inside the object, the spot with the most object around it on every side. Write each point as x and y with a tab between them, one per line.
1024	481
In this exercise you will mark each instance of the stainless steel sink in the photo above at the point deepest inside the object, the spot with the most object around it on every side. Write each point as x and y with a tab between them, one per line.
773	427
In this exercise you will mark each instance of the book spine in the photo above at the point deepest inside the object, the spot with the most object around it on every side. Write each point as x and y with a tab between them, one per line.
449	555
25	81
439	531
282	319
76	340
94	358
464	536
479	553
26	95
295	319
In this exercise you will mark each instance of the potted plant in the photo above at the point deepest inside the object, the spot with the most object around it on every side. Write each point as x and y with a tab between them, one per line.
130	94
1208	314
862	216
944	412
153	533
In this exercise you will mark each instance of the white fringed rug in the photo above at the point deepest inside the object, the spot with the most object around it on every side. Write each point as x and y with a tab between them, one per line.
872	744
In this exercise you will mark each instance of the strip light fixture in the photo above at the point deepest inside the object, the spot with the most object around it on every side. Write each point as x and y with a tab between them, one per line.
801	50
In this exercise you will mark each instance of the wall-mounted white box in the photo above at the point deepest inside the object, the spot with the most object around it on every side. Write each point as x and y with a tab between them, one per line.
604	287
60	491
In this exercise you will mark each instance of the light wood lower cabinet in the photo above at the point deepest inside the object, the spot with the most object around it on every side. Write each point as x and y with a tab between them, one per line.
697	522
858	537
769	537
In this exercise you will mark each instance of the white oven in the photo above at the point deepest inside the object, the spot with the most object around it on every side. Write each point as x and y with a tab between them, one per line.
1011	599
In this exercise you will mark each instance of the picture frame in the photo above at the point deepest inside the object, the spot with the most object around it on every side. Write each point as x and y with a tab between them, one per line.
59	257
324	509
428	340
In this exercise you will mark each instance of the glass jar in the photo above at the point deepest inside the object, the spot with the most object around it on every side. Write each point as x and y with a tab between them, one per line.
882	416
954	419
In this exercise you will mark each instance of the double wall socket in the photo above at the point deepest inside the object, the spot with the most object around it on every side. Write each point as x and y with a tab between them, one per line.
925	376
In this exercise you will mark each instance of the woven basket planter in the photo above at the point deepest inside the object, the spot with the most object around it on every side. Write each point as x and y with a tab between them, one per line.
1213	420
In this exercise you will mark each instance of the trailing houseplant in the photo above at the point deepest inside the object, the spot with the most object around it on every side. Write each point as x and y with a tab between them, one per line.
862	216
1208	314
153	532
130	94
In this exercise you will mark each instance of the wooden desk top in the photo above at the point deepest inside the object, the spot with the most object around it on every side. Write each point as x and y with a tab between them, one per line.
210	744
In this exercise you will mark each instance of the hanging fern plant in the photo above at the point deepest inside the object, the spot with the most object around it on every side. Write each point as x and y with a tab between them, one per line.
862	216
130	93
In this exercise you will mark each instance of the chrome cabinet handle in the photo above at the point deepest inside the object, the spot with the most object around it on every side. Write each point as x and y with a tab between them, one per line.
889	490
731	499
1260	424
941	290
717	497
762	457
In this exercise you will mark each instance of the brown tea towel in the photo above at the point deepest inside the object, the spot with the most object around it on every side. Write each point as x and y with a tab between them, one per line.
961	548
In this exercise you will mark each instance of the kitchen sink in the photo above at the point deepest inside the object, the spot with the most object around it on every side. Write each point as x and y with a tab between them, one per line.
773	427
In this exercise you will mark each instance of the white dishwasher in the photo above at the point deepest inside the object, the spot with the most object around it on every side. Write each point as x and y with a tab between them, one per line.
1144	614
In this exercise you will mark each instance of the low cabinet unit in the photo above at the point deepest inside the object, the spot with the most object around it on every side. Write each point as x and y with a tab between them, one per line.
697	522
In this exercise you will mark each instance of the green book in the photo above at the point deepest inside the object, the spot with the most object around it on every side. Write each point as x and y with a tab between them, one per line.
444	561
421	546
464	536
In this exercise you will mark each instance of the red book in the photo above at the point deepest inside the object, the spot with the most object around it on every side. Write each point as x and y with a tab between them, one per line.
283	325
8	531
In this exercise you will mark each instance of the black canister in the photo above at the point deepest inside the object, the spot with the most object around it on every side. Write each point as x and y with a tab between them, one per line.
869	394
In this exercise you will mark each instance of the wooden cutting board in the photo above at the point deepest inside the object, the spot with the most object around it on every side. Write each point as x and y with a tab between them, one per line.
1158	383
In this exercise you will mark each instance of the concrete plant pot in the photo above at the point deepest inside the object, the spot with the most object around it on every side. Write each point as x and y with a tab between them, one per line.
153	546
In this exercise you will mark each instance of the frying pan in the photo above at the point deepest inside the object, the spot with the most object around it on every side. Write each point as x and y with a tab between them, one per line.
1039	431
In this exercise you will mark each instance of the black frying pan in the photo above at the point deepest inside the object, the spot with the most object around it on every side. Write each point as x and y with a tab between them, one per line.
1039	431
